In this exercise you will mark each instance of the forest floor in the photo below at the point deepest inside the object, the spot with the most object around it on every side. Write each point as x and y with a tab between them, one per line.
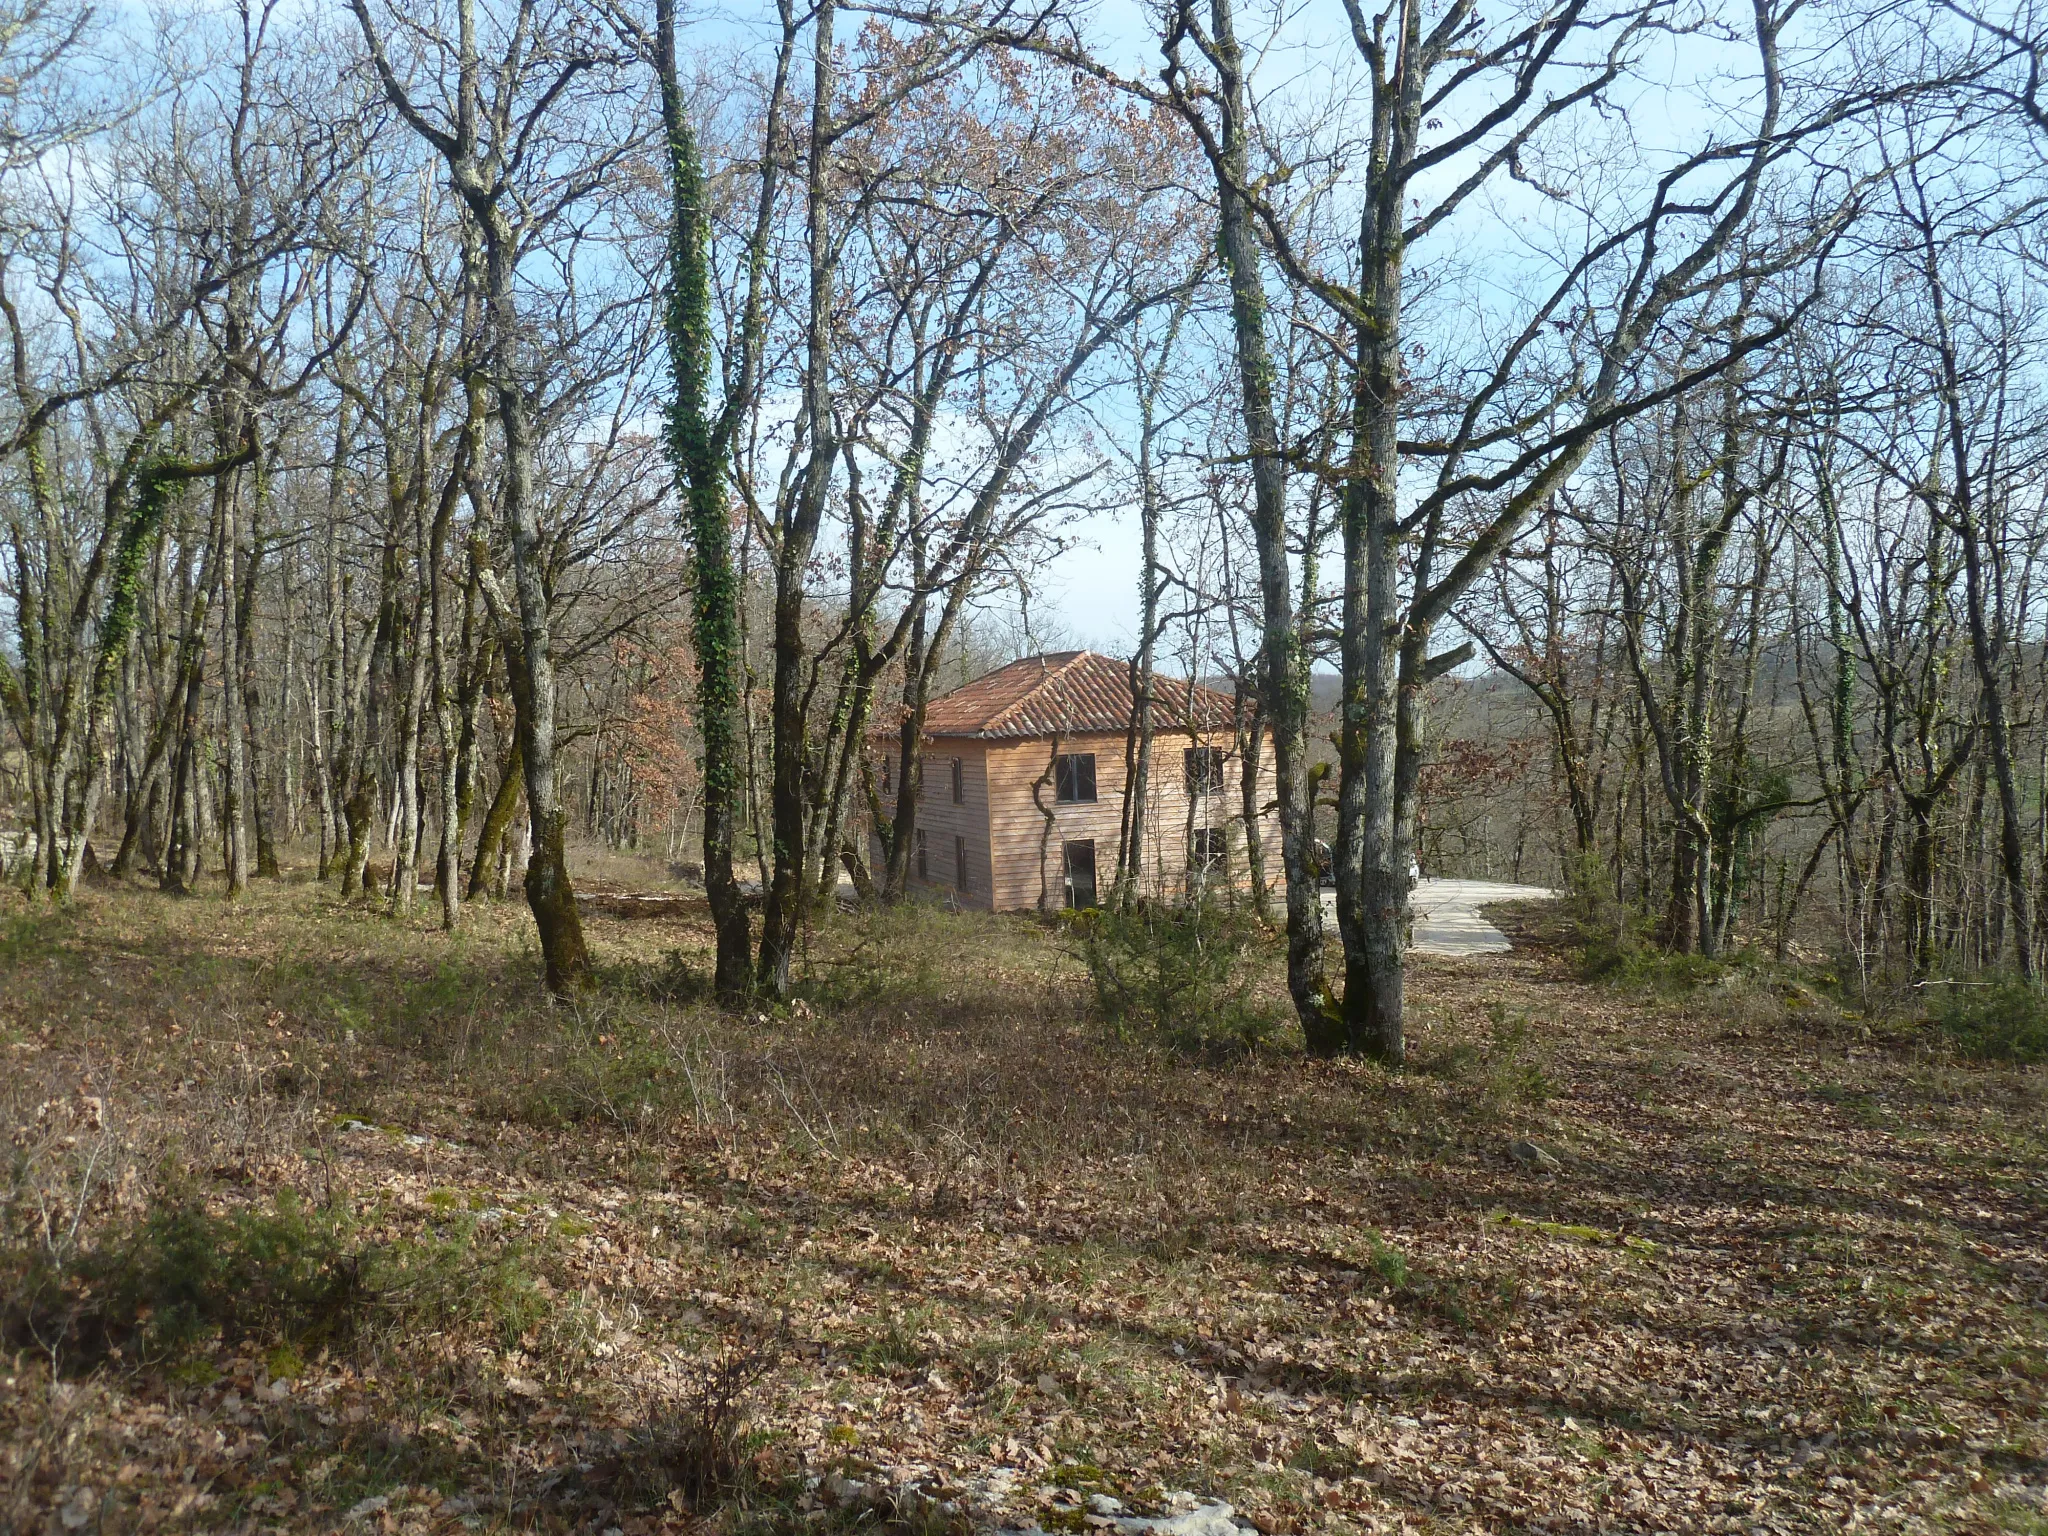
319	1220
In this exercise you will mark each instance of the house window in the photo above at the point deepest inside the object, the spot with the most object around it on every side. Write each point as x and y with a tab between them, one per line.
1073	775
924	864
960	879
1205	851
959	782
1204	767
887	764
1079	859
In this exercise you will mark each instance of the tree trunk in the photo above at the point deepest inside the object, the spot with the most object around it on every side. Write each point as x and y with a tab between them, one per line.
234	820
566	962
1138	742
1250	724
245	673
367	740
404	892
782	910
499	817
699	452
447	863
1985	642
1284	671
181	857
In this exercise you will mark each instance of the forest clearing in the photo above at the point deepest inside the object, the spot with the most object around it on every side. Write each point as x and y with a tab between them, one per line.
778	768
959	1257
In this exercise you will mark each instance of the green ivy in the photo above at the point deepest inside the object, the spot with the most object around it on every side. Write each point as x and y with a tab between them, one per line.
697	452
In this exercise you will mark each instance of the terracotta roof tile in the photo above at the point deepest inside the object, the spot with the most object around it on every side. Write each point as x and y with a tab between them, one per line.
1067	693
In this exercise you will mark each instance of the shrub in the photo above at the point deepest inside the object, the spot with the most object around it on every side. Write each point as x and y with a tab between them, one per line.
2002	1021
1189	974
1624	959
293	1272
158	1285
1618	944
1498	1069
1389	1262
902	952
608	1069
455	1282
1464	1298
1590	901
699	1449
24	935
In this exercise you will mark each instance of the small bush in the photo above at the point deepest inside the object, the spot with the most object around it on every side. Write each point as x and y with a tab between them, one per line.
1464	1298
1188	974
1618	945
1499	1069
455	1282
294	1272
2004	1021
24	934
613	1071
1389	1262
159	1285
1625	959
1741	990
904	952
1590	901
699	1451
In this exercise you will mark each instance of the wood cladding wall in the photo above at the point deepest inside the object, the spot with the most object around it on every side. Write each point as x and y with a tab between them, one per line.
1028	833
1015	857
952	829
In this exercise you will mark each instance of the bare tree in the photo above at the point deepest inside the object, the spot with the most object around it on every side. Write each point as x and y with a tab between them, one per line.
507	130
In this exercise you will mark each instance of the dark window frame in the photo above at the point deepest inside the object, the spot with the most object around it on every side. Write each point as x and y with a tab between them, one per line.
1203	769
959	781
960	880
924	867
1072	772
1208	851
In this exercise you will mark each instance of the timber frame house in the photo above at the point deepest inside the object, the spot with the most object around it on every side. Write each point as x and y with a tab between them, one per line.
1023	788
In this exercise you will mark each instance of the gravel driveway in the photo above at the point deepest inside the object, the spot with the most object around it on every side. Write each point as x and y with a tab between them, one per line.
1447	920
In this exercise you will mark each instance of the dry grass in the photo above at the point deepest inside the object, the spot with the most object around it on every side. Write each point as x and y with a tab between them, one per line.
1790	1276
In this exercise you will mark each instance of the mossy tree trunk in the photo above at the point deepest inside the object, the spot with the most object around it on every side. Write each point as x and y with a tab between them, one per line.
1283	675
700	447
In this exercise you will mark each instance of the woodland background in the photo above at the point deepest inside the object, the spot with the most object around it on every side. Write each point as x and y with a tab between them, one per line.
454	450
406	403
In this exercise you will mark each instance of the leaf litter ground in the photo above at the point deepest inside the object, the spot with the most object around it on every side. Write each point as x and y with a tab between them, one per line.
968	1260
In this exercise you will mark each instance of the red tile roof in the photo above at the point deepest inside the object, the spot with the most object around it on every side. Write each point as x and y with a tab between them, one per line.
1069	693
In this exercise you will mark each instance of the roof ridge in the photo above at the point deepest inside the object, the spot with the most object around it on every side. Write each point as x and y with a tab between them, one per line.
1055	692
1046	676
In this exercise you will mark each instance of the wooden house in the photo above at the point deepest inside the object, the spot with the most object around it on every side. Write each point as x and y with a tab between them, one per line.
1023	787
